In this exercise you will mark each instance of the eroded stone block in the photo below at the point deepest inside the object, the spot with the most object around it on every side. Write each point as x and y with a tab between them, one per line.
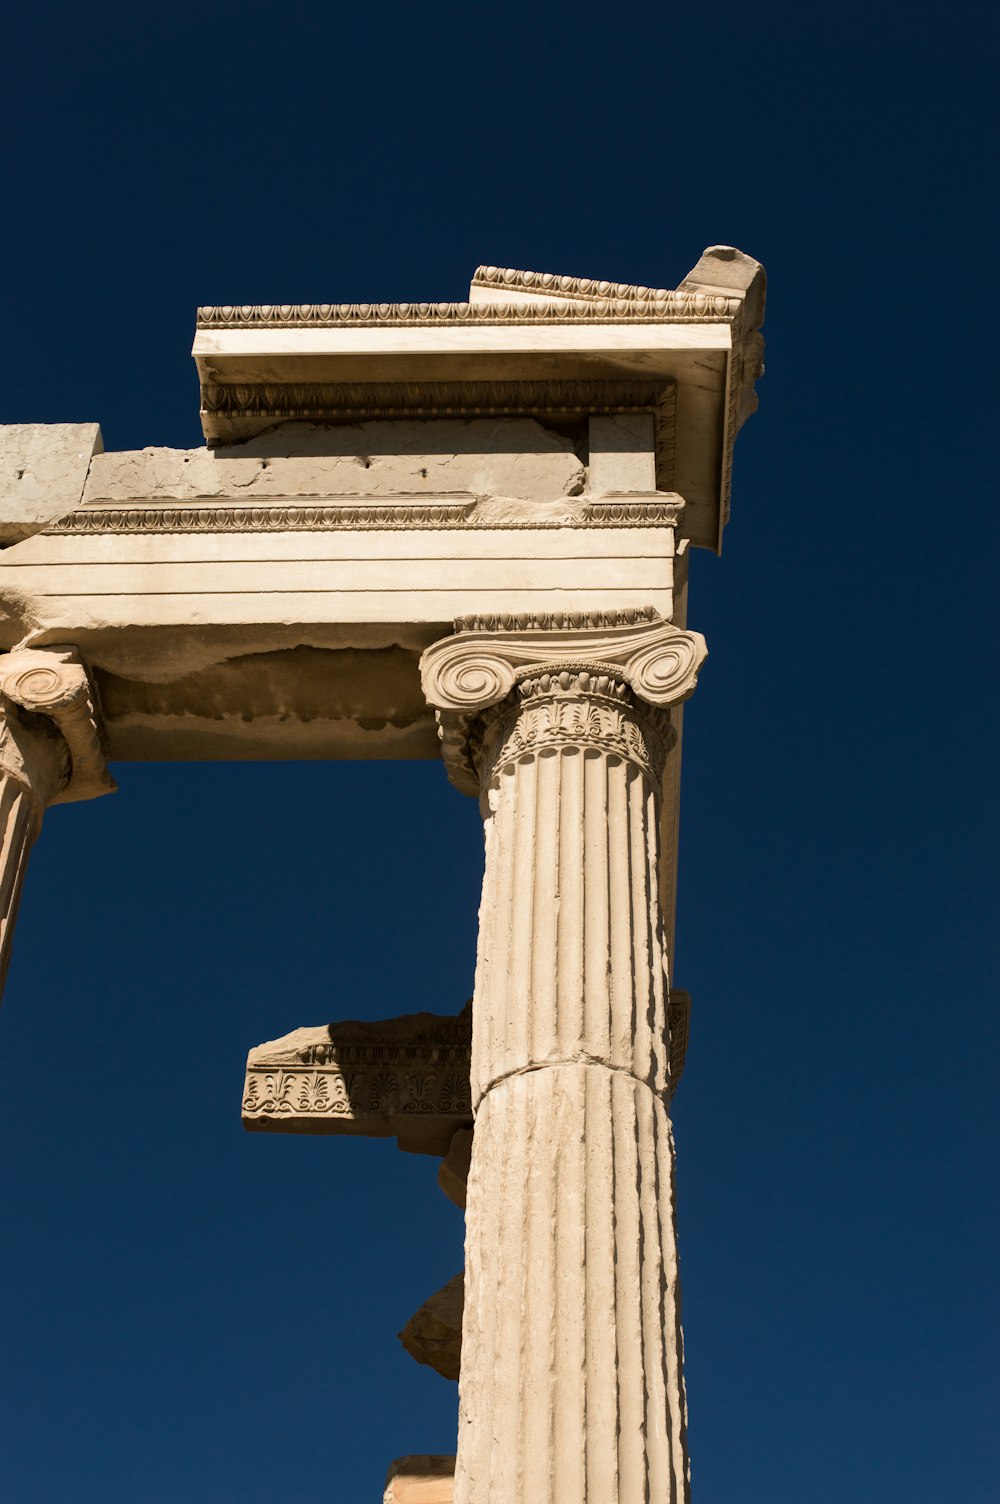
43	472
453	1172
406	1078
433	1335
481	457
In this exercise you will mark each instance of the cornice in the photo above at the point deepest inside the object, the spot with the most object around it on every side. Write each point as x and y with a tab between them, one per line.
657	308
465	675
53	682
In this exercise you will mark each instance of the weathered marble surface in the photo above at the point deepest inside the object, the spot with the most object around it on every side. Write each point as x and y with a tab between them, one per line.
433	1335
525	343
480	457
571	1387
453	1172
504	491
43	473
405	1078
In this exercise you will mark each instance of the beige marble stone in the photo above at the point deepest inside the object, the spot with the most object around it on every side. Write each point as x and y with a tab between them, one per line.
622	454
453	1172
515	458
434	1334
571	1388
405	1078
525	343
463	530
420	1480
43	473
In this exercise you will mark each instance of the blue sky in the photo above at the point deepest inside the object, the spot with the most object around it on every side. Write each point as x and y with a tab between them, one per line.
195	1314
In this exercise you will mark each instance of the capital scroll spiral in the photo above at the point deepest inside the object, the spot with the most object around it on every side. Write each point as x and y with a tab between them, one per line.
465	674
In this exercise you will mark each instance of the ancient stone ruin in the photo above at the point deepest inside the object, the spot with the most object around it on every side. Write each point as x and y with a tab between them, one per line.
455	531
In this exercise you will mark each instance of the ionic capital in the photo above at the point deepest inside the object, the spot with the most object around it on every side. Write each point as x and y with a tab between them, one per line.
465	675
53	683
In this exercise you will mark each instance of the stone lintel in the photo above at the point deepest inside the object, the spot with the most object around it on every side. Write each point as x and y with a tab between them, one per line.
405	1077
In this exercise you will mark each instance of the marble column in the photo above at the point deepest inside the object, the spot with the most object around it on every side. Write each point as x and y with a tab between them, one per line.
571	1386
50	752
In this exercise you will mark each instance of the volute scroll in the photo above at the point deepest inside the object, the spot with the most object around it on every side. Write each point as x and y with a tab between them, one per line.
464	675
53	682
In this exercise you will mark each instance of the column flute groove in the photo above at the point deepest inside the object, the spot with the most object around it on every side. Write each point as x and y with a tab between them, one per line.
570	1389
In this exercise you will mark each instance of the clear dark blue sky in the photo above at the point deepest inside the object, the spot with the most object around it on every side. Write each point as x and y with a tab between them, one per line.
193	1315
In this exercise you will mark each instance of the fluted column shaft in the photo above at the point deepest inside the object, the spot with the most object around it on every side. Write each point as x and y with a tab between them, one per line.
571	1389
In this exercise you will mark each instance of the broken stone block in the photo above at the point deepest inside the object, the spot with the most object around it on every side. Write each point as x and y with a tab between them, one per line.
43	471
434	1335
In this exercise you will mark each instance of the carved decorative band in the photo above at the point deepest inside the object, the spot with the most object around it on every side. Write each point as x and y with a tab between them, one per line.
52	682
580	708
364	400
623	513
388	516
421	1086
547	621
265	519
553	286
668	307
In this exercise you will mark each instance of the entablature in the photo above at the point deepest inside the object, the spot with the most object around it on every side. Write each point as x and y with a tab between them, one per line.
525	344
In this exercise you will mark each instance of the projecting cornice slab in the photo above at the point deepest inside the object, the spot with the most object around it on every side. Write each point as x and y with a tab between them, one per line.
526	344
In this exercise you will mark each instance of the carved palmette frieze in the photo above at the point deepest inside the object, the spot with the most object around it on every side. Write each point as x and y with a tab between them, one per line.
331	1091
582	707
405	1077
653	665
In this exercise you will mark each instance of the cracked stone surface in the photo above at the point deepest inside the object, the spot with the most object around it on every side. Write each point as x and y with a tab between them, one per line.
43	471
483	457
